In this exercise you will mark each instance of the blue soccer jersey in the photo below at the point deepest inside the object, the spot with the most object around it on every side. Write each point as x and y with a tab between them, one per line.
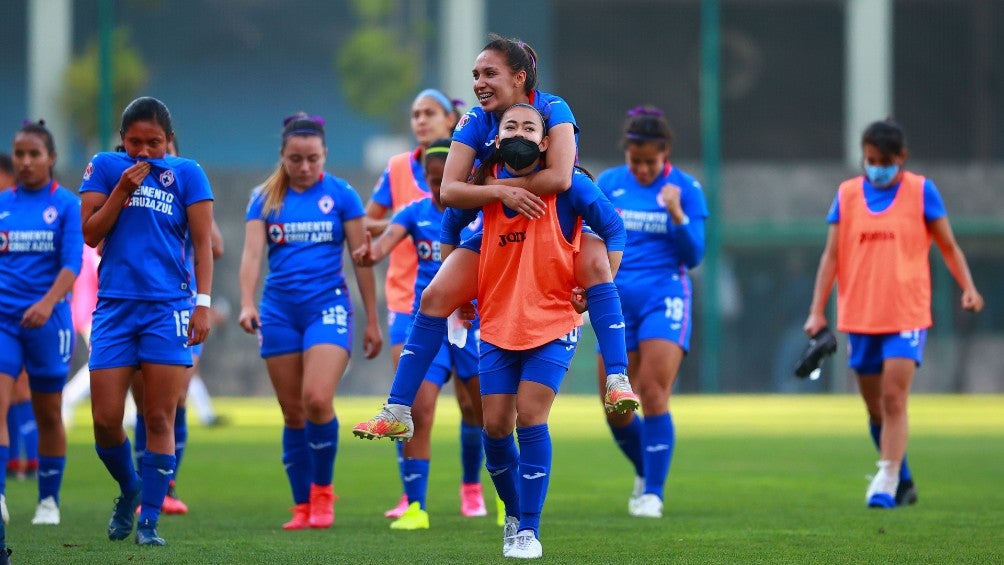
306	235
654	243
39	236
477	128
145	249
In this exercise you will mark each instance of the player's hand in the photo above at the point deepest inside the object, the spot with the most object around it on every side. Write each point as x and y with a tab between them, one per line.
198	325
132	177
36	315
670	194
362	256
972	300
249	319
372	341
522	201
813	324
578	299
467	313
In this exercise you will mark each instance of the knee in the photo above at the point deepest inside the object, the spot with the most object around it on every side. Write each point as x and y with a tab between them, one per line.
49	420
435	302
316	406
157	425
592	268
893	404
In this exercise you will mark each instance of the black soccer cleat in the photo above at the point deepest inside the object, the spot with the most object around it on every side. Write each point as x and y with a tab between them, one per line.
906	493
821	345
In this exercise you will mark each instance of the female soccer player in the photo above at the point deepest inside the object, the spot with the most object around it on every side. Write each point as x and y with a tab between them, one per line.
433	116
529	328
41	248
304	215
422	221
881	226
505	73
663	209
143	204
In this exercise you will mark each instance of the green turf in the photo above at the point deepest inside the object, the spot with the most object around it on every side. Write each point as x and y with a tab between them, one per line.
755	479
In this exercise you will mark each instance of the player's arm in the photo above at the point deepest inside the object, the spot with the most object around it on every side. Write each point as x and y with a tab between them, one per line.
217	240
99	212
456	192
825	276
250	270
955	260
376	220
366	282
200	227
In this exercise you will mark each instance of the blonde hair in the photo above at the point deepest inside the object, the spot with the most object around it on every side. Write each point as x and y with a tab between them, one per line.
274	190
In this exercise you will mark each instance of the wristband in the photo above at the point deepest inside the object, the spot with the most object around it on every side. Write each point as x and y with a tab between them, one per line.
203	300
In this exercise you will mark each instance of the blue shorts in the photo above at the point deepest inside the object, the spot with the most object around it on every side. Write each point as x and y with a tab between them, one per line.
450	357
290	324
867	352
502	370
398	325
43	352
128	332
472	243
658	307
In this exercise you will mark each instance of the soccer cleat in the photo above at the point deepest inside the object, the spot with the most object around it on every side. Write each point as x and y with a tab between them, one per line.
472	501
525	546
881	491
5	556
413	519
647	506
500	510
322	506
172	504
393	421
47	513
639	489
3	509
146	534
906	493
123	518
619	396
509	529
399	510
301	517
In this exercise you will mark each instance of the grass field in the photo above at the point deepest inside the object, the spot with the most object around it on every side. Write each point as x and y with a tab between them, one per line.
755	479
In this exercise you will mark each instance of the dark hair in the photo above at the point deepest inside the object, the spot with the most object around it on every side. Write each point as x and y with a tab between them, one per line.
437	151
480	174
274	188
886	136
146	109
6	164
519	56
647	124
38	128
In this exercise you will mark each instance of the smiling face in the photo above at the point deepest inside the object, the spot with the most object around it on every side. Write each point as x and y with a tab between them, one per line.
430	121
495	85
145	139
32	160
303	158
646	161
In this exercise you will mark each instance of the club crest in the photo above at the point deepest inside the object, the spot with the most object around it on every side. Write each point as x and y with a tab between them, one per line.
50	214
167	178
326	203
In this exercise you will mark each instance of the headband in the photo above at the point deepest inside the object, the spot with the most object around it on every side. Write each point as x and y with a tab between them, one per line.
439	97
435	150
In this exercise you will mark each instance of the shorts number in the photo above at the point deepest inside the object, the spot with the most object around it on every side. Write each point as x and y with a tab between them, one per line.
65	344
181	322
336	315
674	309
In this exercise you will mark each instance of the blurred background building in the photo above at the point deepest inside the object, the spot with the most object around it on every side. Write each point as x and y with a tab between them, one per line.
771	133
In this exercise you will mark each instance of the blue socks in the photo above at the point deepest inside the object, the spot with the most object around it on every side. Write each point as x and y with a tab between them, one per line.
535	474
4	458
399	448
158	470
424	340
296	460
322	439
118	461
608	323
416	480
502	462
628	439
658	438
180	436
22	430
139	447
50	476
876	432
470	452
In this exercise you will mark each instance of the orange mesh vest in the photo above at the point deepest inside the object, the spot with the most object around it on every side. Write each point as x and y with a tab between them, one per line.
883	270
402	266
525	278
